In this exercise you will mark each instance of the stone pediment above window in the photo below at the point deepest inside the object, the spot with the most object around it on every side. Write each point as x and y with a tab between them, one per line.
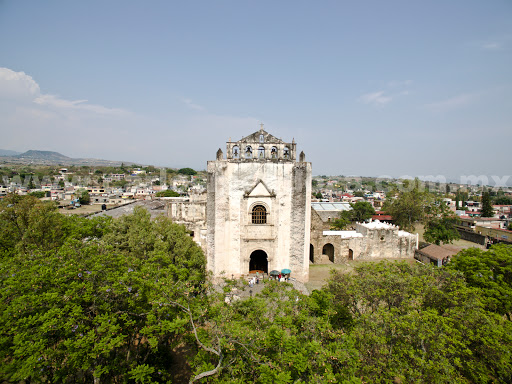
260	190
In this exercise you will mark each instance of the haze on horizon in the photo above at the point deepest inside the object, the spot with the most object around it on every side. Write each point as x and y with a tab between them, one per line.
365	88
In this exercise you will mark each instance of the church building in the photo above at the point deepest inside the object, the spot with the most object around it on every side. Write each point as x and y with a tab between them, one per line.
258	208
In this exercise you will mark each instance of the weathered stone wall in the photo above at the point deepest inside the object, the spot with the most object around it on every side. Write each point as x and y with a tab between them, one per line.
191	214
384	241
284	189
366	242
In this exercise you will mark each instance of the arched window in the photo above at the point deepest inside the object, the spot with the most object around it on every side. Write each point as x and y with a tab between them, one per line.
261	152
259	215
286	152
273	153
236	152
248	152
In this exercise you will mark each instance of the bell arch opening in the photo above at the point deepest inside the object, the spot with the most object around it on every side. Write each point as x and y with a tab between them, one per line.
258	261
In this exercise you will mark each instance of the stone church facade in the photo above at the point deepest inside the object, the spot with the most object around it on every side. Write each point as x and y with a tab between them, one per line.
258	213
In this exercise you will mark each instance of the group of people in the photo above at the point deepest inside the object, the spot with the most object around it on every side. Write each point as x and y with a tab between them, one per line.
281	277
254	280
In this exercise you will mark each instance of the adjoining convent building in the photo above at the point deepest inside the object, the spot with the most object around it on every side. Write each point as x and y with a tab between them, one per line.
257	215
258	208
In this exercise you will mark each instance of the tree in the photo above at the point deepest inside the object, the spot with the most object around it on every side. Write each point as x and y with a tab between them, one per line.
361	211
319	195
94	307
167	193
487	210
83	196
407	209
187	171
340	223
280	336
38	194
491	272
439	223
503	200
415	323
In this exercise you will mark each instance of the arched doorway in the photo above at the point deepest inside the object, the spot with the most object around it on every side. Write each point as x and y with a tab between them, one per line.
311	253
258	261
350	254
328	250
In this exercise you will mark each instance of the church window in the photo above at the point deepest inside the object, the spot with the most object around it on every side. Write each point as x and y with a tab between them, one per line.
286	153
236	152
261	152
259	215
262	139
273	153
248	152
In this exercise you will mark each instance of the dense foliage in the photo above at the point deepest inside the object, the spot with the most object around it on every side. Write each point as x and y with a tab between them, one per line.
407	208
413	206
167	193
359	212
187	171
487	210
128	300
84	299
491	272
439	222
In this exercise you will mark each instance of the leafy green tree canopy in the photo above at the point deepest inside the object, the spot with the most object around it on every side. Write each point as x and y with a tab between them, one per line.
167	193
407	208
439	223
487	210
93	304
83	196
491	272
187	171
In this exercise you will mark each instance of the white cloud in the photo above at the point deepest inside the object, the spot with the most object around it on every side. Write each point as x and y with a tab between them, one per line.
392	90
17	85
375	98
192	105
20	87
458	101
77	105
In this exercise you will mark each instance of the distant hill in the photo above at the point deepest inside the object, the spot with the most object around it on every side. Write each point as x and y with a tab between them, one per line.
54	158
8	152
43	155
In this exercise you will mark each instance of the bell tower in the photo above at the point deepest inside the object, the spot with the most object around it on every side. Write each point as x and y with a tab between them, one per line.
258	208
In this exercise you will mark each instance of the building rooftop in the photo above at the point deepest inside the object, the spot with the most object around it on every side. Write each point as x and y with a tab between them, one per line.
343	234
338	206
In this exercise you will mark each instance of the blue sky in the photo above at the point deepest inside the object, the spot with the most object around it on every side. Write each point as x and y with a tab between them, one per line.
367	88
